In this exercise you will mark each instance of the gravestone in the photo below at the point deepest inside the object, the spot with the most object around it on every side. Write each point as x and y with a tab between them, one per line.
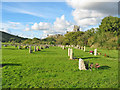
95	52
68	51
81	65
81	47
19	47
30	50
84	48
77	46
37	48
34	48
71	54
63	47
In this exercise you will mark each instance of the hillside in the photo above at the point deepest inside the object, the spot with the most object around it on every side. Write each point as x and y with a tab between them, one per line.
9	37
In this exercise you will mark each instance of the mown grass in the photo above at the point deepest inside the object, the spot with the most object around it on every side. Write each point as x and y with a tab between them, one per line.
51	68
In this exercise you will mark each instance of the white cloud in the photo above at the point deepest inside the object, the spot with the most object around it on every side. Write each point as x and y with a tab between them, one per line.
27	29
91	12
11	27
60	26
44	26
35	26
41	26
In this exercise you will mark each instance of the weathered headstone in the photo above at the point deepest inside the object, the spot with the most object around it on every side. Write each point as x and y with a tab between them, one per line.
84	48
81	64
71	54
30	49
68	51
95	52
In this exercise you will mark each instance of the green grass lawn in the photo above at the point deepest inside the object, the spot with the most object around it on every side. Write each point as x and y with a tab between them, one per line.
51	68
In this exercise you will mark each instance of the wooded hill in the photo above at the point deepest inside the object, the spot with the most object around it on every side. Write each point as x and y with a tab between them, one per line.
6	37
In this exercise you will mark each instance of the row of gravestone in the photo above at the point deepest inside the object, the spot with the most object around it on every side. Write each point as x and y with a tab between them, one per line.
70	54
36	47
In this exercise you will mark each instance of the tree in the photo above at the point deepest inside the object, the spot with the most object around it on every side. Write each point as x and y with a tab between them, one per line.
110	24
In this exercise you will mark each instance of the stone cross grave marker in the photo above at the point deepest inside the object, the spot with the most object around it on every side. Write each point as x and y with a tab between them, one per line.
95	52
81	65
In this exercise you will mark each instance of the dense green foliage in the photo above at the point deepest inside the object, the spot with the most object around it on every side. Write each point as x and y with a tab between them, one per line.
106	36
51	68
10	38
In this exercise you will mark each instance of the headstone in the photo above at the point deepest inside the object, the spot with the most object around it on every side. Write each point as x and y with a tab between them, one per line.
81	47
71	54
19	47
95	52
35	48
84	48
81	64
30	50
63	47
68	51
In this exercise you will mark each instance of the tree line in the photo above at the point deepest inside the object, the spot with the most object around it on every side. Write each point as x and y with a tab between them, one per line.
105	36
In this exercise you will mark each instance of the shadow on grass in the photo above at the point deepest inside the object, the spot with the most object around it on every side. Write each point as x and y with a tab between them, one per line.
11	48
9	64
90	57
104	67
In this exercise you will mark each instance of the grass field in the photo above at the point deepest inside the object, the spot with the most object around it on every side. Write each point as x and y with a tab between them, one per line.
51	68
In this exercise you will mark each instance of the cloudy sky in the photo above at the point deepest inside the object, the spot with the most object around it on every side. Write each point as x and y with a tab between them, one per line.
38	19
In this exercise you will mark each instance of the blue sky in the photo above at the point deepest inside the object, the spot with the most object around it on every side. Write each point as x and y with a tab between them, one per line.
34	12
47	11
38	19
